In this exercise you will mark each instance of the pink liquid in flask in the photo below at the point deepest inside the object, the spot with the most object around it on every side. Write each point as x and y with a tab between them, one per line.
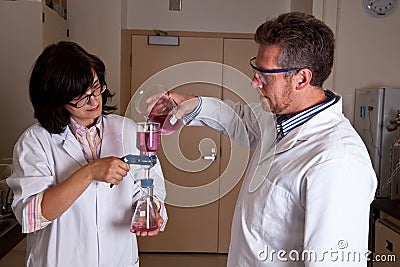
143	228
168	123
144	217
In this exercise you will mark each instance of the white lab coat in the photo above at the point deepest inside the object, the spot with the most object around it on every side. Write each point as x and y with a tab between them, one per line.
94	231
316	187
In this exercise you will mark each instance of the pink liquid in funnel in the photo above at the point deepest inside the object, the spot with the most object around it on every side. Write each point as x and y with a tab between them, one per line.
148	141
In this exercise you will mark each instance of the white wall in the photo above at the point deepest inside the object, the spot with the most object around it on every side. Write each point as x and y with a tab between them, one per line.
96	26
366	52
23	36
206	15
21	41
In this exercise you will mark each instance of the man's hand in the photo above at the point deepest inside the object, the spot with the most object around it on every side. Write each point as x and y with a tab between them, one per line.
185	103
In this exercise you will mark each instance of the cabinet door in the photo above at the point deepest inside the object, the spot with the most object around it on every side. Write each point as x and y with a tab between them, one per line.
387	244
190	228
237	87
54	27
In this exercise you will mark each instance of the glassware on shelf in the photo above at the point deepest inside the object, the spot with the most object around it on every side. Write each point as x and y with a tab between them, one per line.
144	217
162	110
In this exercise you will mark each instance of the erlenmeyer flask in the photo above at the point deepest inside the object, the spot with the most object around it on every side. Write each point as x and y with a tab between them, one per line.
144	217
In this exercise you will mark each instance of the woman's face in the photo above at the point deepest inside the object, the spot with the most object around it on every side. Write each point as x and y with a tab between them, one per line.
87	114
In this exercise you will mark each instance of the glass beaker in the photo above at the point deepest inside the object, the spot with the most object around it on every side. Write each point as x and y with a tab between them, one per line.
144	217
147	138
165	115
161	108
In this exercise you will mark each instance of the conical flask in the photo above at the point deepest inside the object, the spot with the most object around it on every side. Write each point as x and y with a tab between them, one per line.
144	210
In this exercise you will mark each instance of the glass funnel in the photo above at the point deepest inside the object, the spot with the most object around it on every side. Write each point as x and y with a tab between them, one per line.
147	138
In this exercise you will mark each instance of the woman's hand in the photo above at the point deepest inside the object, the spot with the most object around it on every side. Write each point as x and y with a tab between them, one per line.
110	170
57	199
155	232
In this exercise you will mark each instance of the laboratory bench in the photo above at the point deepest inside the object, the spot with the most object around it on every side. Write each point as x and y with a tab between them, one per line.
10	234
384	236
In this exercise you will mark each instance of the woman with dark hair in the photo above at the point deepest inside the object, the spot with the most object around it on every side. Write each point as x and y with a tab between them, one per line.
63	167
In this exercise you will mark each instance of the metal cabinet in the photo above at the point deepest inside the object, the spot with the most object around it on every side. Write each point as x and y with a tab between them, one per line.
387	243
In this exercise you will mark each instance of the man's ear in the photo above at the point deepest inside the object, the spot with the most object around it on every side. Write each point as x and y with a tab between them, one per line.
303	78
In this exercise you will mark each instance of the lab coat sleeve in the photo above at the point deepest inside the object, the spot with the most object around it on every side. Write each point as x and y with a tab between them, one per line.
32	173
239	122
336	196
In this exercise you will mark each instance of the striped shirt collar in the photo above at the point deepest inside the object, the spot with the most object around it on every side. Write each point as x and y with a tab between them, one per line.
76	127
285	125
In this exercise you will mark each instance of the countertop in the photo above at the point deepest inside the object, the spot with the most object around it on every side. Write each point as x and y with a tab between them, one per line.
389	206
10	234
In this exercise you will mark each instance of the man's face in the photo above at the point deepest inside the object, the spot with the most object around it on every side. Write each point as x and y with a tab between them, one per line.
276	91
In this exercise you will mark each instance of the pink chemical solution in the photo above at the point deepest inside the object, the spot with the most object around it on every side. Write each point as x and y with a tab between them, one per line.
148	141
168	124
144	228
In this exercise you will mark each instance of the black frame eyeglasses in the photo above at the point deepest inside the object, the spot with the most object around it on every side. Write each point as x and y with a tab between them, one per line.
84	100
255	68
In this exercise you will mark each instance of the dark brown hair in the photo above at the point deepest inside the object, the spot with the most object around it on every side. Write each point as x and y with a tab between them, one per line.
304	41
62	72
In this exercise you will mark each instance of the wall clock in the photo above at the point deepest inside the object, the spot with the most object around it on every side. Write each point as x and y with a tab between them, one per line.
379	8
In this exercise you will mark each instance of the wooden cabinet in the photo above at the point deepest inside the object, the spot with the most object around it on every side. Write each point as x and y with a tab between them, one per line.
384	233
200	203
26	27
387	242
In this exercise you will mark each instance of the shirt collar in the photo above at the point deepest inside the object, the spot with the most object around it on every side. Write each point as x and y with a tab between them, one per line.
76	128
284	125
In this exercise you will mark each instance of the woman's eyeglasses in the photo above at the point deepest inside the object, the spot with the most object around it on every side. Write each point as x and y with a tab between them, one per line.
84	100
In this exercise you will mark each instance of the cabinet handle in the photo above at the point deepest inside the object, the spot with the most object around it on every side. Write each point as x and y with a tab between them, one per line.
389	245
211	157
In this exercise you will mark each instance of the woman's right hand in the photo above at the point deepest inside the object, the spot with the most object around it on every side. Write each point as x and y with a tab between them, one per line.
110	170
57	199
